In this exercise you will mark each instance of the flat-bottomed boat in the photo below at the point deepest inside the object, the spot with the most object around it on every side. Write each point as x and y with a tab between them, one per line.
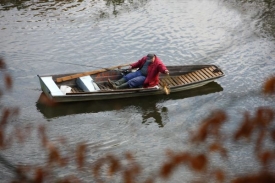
94	85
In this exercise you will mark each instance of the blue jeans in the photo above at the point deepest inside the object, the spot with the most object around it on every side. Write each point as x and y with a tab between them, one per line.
135	79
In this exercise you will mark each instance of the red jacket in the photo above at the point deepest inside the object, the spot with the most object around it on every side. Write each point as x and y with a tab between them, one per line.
152	78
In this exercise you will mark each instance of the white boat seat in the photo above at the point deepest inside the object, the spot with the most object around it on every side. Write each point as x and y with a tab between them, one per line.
55	91
87	84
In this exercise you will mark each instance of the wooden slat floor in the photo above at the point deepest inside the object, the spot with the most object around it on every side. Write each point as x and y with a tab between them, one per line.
192	77
195	76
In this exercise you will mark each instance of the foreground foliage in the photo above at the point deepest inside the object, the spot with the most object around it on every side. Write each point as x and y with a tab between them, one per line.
256	129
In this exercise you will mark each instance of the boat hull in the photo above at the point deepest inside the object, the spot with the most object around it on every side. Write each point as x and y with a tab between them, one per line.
182	78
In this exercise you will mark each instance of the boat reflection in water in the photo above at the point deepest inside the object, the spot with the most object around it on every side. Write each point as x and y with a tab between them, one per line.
147	105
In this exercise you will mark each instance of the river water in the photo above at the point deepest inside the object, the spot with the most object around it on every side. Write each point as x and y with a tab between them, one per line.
48	37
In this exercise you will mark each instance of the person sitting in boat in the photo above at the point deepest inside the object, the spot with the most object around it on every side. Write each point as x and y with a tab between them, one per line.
146	76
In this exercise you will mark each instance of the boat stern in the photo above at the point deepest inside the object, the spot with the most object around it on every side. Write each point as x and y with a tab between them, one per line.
49	87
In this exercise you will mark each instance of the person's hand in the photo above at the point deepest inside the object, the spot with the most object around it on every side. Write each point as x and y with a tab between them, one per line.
130	67
166	72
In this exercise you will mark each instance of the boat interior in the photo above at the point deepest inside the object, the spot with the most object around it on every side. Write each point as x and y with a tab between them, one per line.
178	76
165	80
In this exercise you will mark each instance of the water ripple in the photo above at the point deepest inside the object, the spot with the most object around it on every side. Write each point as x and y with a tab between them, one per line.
66	37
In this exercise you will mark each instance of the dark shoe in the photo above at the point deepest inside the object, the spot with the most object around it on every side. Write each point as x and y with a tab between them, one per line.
112	83
120	81
124	85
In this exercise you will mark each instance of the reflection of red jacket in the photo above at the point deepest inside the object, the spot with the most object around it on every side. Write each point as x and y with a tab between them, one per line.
152	78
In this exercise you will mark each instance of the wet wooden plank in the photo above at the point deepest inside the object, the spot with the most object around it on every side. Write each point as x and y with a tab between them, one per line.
186	79
203	74
193	78
178	81
206	73
73	90
189	78
180	78
166	82
200	75
76	90
161	82
196	76
212	69
104	86
216	73
172	81
210	72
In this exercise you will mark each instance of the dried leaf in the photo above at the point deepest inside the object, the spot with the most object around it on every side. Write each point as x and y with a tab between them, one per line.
8	81
4	120
219	117
63	161
219	175
214	147
269	85
129	156
202	133
39	175
181	158
246	128
217	147
54	155
69	179
2	138
265	157
260	138
199	162
115	165
131	172
81	154
210	126
127	177
273	135
166	170
264	116
2	63
96	168
260	178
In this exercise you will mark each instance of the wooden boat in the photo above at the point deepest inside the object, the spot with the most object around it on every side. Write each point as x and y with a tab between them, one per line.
94	85
142	104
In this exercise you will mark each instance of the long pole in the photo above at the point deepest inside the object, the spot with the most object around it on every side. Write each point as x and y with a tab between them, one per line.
66	78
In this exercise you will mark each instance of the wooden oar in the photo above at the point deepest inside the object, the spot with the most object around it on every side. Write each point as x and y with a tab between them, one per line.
66	78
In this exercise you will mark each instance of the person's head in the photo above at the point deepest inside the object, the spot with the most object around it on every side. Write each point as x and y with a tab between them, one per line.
151	57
